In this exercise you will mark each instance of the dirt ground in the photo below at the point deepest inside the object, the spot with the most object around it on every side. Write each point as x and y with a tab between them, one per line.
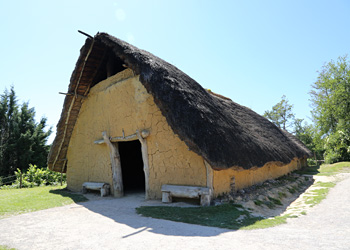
113	224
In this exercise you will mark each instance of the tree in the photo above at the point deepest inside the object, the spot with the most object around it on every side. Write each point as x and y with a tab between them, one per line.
308	135
22	140
281	114
330	97
304	133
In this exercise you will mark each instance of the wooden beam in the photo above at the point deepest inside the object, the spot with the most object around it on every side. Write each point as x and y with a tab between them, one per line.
85	34
70	94
71	106
118	190
210	177
144	134
144	152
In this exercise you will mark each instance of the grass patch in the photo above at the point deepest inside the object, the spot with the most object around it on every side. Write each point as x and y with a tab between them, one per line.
326	169
275	201
310	170
6	248
269	204
229	216
325	184
18	201
314	197
292	190
270	222
282	195
331	169
258	202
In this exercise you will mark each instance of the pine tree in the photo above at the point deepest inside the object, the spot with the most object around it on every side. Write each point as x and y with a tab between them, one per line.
22	140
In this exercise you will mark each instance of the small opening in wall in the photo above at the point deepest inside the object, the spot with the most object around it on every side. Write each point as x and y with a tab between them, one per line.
111	65
132	166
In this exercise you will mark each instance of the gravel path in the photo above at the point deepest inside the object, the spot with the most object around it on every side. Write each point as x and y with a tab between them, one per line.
113	224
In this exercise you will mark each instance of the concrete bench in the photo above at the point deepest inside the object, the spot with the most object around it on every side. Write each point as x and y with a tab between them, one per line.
102	187
169	191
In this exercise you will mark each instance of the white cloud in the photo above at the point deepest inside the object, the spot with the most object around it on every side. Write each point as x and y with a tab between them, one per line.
120	14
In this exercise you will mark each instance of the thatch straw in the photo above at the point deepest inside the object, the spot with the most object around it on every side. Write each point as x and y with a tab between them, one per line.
223	132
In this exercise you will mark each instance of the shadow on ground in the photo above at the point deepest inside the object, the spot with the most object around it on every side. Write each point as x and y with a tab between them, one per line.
123	210
66	193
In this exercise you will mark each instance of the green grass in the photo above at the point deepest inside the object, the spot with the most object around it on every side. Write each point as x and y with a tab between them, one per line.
331	169
6	248
314	197
292	190
18	201
270	222
258	202
229	216
275	201
282	195
326	169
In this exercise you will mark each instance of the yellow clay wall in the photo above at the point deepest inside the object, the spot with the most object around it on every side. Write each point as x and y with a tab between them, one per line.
122	103
222	180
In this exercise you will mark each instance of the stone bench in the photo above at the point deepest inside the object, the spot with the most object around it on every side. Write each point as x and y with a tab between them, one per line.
102	187
169	191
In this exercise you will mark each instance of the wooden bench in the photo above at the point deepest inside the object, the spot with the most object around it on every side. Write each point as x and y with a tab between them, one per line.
169	191
102	187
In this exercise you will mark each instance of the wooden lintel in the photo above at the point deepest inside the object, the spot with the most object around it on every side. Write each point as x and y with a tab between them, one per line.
144	134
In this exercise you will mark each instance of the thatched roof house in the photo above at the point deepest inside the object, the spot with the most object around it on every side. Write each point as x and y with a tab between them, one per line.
225	134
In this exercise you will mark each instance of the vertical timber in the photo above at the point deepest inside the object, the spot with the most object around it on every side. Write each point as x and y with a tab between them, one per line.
116	166
144	151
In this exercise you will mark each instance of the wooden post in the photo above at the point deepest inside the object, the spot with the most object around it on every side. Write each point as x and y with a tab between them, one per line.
116	166
144	151
210	176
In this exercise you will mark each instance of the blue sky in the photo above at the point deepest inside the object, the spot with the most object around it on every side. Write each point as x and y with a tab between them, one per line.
250	51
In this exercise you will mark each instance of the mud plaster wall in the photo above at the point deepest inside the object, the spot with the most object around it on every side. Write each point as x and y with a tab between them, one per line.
225	180
121	102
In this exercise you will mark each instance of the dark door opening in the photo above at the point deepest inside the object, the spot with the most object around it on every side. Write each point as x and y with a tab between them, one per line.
132	166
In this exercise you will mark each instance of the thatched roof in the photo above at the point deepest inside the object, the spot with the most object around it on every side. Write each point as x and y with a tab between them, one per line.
223	132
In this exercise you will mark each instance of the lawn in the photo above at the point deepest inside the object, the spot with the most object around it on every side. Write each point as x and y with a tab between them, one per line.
232	216
6	248
18	201
326	169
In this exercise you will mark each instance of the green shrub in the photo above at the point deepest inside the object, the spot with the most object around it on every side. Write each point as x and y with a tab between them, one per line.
36	176
337	146
311	162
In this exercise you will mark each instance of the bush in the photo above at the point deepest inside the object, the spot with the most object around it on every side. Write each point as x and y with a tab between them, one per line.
337	146
36	176
311	162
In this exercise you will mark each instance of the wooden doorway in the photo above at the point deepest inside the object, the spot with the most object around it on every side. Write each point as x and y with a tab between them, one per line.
132	166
